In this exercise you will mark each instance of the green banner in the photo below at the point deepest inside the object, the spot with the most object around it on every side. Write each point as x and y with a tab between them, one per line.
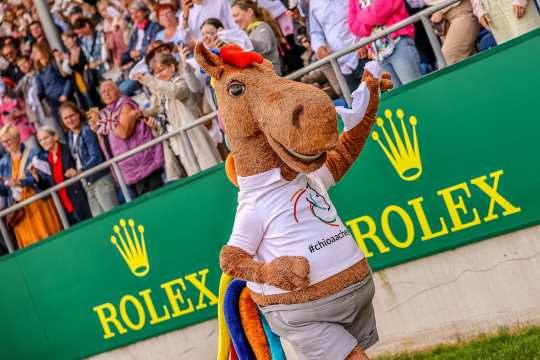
445	166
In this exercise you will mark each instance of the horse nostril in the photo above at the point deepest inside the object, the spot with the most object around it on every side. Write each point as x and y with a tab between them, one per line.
296	115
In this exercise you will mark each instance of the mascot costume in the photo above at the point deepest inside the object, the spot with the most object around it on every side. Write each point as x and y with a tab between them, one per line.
307	280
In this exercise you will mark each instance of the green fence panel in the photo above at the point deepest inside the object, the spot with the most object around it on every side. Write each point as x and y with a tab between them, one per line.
462	169
22	332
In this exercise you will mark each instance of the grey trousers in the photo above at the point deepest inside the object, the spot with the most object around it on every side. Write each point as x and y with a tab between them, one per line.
101	195
328	328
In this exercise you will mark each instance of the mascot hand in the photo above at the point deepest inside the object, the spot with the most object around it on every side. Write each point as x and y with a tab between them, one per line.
365	99
373	84
287	272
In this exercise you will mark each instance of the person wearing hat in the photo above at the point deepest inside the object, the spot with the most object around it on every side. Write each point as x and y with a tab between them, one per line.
143	34
143	66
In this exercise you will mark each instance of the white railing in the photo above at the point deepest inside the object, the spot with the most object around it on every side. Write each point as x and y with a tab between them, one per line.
423	16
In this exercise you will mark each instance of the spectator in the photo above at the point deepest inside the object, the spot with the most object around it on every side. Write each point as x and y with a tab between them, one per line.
290	51
172	31
39	219
59	19
321	75
120	128
22	21
82	9
195	12
28	88
113	28
396	52
143	34
92	43
329	32
7	23
10	53
261	29
12	112
84	147
51	83
278	12
459	28
75	13
428	61
38	36
299	21
176	87
507	19
214	35
62	167
83	73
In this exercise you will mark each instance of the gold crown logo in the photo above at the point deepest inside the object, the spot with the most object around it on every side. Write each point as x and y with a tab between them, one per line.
131	247
402	153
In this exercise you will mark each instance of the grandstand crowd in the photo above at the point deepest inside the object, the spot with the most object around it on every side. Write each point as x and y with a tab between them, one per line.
126	75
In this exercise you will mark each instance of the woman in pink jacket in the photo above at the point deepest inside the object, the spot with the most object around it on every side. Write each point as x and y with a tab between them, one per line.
396	52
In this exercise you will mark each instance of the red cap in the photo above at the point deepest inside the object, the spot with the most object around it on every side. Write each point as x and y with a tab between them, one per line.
236	56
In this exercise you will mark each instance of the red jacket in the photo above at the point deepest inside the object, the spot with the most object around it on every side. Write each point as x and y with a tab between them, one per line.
379	13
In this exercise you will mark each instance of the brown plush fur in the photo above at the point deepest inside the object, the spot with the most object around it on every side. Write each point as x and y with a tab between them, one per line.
332	285
351	143
273	116
357	354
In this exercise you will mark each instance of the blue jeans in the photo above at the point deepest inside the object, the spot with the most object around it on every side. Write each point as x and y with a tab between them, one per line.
404	63
129	87
486	40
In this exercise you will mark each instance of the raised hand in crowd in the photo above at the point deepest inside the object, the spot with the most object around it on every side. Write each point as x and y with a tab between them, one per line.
323	52
59	56
485	21
519	11
437	17
217	42
184	52
12	182
137	76
134	54
186	7
70	173
33	171
93	116
362	53
151	123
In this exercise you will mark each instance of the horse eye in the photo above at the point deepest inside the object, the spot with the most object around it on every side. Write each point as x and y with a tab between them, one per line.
236	89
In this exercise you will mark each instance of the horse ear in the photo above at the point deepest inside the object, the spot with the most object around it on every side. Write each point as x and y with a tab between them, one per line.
209	62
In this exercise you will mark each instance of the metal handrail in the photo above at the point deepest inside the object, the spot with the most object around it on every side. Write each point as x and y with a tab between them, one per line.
334	56
331	59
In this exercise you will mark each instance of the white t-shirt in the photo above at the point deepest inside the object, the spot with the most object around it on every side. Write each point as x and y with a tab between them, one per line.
140	39
199	13
276	217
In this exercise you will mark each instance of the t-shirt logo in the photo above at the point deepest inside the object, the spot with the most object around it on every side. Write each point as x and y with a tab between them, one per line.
317	203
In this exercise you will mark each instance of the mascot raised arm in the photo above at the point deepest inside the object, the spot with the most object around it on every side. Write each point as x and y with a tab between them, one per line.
303	268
